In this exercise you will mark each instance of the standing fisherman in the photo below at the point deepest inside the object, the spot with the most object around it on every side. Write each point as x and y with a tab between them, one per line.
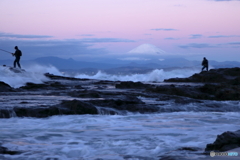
205	64
17	54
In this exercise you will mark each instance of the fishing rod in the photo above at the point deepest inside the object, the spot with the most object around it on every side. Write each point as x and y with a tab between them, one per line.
6	51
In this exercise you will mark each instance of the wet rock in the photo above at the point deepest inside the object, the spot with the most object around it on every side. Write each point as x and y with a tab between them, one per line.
221	91
65	108
78	87
221	75
189	149
7	113
4	87
72	107
52	76
186	91
100	82
203	77
233	72
209	88
4	150
235	81
224	142
38	112
76	107
184	100
30	85
47	85
86	94
128	103
119	100
231	93
206	92
130	84
110	111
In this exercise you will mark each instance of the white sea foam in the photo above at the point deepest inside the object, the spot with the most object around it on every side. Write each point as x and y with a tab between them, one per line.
34	73
114	137
157	75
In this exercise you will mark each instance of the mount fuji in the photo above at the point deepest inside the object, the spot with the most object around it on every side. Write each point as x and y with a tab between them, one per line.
147	49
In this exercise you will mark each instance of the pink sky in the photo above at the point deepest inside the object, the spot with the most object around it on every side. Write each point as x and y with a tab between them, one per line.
177	26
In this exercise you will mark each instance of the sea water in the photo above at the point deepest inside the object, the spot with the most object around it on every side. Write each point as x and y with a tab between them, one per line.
156	75
35	74
108	137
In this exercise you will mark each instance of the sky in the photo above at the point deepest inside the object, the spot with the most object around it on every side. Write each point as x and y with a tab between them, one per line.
91	30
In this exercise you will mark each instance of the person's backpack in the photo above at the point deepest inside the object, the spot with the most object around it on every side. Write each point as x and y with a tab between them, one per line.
20	53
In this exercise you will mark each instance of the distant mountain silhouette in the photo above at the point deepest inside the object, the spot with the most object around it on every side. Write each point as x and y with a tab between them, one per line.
71	64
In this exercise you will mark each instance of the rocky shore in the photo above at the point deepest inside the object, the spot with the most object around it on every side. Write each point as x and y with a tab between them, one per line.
70	96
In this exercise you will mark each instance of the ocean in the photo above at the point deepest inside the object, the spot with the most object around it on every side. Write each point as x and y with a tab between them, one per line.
132	136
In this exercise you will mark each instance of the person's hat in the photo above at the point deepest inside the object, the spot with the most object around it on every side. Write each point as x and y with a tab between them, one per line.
16	47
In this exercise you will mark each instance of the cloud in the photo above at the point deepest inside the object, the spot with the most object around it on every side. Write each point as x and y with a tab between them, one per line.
164	29
134	59
197	45
234	43
87	35
34	46
171	38
9	35
224	0
196	36
179	5
60	48
223	36
104	40
206	45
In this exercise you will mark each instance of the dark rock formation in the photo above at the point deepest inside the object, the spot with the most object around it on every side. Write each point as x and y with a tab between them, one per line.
222	75
108	97
224	142
4	150
219	84
46	85
52	76
170	158
86	94
38	112
128	103
189	149
205	92
65	108
183	90
4	87
221	91
130	84
76	107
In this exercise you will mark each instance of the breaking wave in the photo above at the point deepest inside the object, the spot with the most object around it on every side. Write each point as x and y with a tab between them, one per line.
157	75
33	73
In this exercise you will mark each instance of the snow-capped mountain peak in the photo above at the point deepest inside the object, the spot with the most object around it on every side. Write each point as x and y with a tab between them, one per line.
147	49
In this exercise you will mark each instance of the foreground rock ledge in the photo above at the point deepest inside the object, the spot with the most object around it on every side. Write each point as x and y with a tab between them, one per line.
224	142
221	75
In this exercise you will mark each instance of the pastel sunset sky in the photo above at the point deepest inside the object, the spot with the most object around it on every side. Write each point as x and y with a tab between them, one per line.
93	29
